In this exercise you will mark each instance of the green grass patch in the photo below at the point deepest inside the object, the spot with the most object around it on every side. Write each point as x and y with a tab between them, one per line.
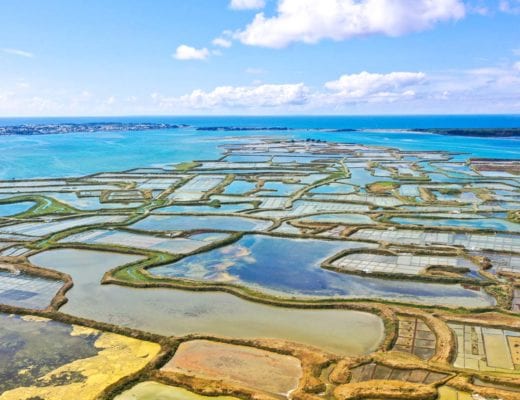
187	166
382	186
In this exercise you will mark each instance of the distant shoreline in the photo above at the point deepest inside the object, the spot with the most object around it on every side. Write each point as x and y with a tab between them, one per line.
92	127
473	132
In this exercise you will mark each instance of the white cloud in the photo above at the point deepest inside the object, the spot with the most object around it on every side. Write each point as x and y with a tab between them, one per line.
494	89
18	52
268	95
185	52
310	21
221	42
348	89
368	86
246	4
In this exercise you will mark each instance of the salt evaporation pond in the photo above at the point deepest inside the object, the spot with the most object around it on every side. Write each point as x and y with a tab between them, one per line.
176	312
188	222
23	290
141	241
349	219
9	209
291	267
474	223
204	209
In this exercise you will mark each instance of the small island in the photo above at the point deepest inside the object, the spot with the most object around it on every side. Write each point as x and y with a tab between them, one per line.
473	132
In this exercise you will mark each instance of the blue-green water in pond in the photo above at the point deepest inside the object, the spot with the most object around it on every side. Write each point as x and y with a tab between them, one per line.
187	223
476	223
239	187
291	267
6	210
224	208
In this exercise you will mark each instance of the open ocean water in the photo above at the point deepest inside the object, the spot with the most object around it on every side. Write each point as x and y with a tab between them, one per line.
86	153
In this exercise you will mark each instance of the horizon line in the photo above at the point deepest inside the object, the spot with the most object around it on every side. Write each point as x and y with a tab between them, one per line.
262	115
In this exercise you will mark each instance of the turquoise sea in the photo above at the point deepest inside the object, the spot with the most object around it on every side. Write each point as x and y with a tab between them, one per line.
81	154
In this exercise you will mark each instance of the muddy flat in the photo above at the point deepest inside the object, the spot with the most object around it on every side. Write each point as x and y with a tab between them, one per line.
246	366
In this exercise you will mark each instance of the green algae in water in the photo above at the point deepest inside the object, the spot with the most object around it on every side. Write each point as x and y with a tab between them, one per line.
30	348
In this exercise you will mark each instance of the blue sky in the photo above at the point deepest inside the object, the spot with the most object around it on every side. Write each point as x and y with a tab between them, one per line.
131	57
